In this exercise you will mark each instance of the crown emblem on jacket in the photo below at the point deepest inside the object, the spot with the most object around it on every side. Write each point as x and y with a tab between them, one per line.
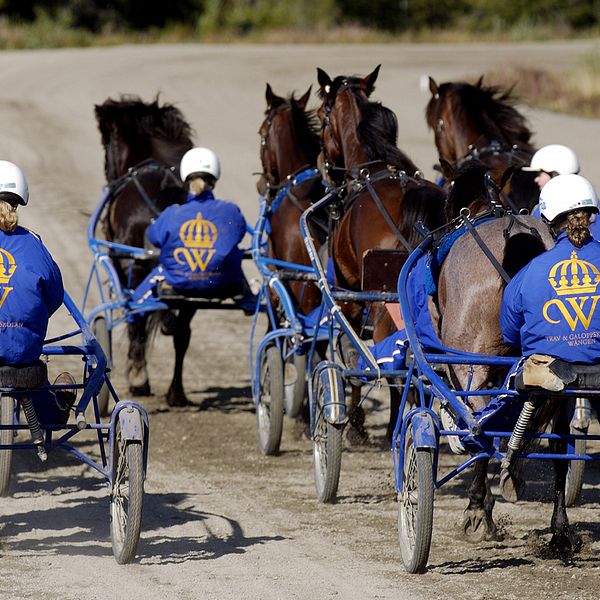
198	233
574	276
7	266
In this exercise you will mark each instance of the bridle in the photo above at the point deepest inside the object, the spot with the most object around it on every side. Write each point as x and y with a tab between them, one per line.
276	188
329	166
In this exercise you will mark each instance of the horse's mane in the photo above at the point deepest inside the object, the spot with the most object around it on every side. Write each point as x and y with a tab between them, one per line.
467	188
138	118
491	108
305	122
378	131
161	130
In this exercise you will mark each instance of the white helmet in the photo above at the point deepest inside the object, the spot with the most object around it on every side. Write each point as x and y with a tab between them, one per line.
565	193
554	158
200	161
13	183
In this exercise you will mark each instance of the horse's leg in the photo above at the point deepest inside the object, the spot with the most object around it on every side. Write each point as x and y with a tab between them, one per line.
137	374
478	523
181	340
563	541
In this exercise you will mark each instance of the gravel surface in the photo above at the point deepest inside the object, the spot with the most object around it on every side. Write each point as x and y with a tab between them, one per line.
220	521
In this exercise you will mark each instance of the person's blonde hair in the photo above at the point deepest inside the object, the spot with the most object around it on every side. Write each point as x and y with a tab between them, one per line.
197	185
8	216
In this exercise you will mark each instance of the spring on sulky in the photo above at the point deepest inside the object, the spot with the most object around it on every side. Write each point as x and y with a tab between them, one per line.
37	435
516	437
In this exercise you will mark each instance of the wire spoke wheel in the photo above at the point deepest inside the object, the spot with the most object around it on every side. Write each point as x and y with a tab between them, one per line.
327	450
575	472
7	411
415	506
126	497
269	409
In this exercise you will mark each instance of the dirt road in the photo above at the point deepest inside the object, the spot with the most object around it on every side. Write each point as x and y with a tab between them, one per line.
220	521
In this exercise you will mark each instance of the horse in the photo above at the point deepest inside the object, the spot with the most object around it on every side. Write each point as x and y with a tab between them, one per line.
289	146
386	196
467	314
474	121
143	144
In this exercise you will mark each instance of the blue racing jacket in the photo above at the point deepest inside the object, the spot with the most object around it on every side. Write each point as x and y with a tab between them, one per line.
31	290
198	242
551	305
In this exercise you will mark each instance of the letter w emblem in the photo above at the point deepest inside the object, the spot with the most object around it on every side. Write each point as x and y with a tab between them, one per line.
577	304
195	258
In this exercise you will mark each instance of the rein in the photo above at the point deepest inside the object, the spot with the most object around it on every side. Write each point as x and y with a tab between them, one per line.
133	174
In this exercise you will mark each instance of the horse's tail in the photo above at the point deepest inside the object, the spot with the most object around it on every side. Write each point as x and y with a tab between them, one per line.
154	321
519	250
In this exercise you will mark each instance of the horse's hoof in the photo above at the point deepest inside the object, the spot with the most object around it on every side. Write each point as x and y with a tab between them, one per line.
562	546
357	436
512	485
177	399
478	527
140	390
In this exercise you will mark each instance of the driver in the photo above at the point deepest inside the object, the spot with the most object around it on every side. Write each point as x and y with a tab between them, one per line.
550	308
199	239
31	290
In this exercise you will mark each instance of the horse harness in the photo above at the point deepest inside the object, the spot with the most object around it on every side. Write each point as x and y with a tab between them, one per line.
134	173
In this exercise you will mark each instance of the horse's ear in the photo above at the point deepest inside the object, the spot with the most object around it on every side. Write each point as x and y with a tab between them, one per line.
479	82
273	100
269	96
324	80
370	80
433	87
448	170
302	102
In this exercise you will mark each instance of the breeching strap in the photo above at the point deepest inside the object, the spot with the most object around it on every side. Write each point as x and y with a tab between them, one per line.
487	251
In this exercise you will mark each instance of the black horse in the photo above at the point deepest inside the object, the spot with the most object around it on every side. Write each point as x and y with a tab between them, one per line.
143	145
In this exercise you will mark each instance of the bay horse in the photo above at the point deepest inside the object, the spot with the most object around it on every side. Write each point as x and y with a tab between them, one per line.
289	147
475	121
469	299
386	196
143	145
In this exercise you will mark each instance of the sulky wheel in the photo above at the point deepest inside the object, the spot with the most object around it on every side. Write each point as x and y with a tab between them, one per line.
575	472
327	439
415	506
7	412
269	409
102	334
126	497
295	384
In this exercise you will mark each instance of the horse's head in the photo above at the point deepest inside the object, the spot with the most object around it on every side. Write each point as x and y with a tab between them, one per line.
133	131
473	187
477	121
288	138
340	108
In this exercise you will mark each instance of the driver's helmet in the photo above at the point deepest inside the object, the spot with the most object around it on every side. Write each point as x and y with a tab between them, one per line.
198	162
554	158
13	184
566	193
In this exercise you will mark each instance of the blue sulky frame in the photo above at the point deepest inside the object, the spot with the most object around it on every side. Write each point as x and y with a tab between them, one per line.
426	426
131	416
301	338
481	440
114	303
